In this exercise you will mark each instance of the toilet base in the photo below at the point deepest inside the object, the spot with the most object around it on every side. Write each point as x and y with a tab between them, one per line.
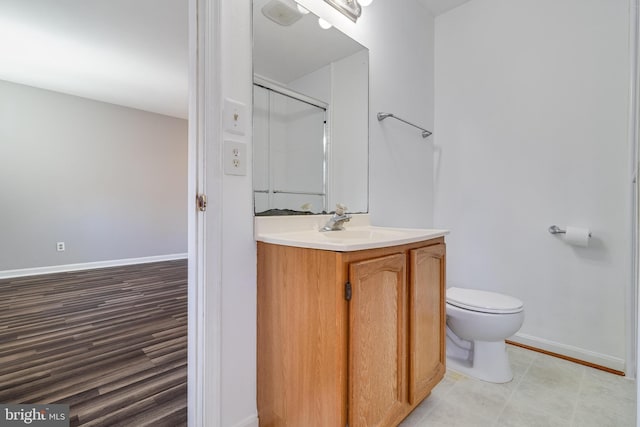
487	361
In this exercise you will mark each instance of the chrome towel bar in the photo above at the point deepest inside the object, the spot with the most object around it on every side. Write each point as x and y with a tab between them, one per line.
382	116
554	229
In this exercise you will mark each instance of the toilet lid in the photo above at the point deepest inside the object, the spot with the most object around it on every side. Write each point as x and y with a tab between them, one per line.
483	301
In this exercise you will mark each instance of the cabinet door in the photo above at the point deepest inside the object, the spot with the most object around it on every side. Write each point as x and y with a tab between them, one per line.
378	343
426	320
301	337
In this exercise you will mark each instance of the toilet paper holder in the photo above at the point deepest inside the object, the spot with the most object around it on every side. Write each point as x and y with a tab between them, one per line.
554	229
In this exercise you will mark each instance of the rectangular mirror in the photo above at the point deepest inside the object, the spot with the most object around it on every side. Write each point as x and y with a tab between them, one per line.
310	114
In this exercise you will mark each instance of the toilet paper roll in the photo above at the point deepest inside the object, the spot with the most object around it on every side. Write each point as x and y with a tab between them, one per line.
577	236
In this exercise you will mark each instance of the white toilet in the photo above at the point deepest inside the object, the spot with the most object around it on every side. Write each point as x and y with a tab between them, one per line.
478	322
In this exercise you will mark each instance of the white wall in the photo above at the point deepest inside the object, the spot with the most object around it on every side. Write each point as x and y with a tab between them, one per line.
349	138
341	85
400	38
107	180
531	130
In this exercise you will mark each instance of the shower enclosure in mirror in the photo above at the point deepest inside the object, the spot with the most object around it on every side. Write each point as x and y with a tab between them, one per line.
289	145
310	124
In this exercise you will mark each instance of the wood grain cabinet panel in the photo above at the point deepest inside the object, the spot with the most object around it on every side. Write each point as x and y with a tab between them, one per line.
301	338
377	343
427	319
366	357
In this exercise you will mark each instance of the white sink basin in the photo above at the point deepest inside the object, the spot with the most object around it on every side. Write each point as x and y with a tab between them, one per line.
352	238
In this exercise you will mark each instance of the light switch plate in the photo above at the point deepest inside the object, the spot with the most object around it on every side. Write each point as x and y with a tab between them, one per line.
234	158
234	119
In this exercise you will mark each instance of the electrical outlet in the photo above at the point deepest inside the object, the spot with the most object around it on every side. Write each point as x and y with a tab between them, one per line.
235	158
60	246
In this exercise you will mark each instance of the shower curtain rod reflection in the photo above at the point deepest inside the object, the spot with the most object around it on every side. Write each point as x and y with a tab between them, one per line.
382	116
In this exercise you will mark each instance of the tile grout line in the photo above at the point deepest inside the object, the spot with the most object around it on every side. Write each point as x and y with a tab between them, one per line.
442	398
575	404
514	390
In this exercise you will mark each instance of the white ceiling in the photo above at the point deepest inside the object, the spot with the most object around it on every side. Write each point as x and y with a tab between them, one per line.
438	7
132	53
126	52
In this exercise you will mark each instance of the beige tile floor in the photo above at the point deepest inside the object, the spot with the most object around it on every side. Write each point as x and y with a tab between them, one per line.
545	391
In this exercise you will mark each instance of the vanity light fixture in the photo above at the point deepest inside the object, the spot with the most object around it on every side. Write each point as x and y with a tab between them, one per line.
325	25
349	8
365	3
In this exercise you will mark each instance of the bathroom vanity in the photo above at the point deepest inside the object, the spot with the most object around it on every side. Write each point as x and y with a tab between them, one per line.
349	337
350	323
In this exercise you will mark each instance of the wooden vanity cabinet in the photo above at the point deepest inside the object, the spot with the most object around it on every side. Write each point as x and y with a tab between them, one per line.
348	338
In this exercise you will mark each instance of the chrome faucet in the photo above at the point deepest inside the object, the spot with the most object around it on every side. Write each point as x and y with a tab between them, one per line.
337	220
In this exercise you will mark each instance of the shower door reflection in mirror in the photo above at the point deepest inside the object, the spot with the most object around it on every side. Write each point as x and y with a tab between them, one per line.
290	153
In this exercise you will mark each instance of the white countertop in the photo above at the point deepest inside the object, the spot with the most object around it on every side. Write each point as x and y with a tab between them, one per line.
302	231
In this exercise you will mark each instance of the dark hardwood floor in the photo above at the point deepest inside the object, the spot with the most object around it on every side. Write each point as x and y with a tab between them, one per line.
111	343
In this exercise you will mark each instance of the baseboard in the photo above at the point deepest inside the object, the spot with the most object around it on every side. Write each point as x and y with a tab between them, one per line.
252	421
576	354
88	265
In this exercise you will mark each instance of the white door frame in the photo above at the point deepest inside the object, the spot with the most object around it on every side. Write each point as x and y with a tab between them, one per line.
632	297
204	228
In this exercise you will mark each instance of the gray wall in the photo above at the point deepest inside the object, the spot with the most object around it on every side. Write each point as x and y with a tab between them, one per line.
109	181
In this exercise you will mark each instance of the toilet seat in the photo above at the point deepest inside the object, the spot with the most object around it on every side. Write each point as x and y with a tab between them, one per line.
483	301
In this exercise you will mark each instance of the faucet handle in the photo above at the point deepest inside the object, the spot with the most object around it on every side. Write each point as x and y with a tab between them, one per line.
340	209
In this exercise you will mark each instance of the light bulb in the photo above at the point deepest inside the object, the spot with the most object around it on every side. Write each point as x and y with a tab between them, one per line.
365	3
324	24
